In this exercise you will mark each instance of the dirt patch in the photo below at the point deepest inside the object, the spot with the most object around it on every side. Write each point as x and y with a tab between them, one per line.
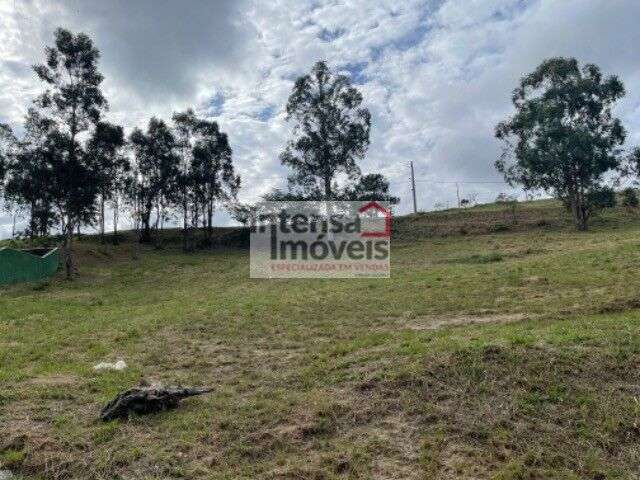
399	436
53	380
620	305
350	419
436	322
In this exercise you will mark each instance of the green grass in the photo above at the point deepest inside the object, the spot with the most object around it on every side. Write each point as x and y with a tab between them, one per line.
509	355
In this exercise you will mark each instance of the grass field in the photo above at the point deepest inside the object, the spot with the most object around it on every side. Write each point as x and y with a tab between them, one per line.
495	350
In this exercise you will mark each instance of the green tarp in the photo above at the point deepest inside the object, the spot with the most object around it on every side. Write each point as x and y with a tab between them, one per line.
27	265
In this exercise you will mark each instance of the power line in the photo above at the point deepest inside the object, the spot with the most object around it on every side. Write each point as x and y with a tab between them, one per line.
458	183
470	182
454	182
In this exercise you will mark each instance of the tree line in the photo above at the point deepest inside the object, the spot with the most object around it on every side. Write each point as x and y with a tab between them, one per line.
70	165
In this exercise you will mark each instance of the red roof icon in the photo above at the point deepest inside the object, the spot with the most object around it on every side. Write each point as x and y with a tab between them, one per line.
386	213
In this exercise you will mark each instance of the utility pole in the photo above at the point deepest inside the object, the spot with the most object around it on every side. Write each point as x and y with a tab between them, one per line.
458	193
413	189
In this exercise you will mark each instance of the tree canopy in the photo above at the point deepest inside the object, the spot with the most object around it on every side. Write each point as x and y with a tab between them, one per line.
373	186
563	137
156	169
71	103
27	182
106	156
214	178
331	132
7	143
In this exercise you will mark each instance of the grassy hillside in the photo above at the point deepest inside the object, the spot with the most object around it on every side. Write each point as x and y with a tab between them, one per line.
498	349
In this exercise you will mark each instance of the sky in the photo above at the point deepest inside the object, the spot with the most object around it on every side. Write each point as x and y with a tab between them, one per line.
437	75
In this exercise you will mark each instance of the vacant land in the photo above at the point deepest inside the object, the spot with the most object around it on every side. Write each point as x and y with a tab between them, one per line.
496	350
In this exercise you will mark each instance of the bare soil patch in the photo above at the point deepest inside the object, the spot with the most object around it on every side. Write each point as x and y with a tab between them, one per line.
53	380
436	322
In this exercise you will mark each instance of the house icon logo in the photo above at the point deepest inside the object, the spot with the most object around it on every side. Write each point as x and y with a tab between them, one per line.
373	210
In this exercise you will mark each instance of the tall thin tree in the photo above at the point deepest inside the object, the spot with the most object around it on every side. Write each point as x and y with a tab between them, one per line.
331	132
7	146
213	173
104	151
28	172
185	127
74	101
157	167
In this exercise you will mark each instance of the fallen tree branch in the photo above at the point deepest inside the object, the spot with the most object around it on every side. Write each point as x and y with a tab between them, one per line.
151	399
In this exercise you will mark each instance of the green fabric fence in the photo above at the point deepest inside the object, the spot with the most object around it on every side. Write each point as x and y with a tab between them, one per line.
27	265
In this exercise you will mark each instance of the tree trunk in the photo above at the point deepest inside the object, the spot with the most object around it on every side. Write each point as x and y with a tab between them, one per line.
582	224
115	220
44	216
69	263
32	221
185	227
327	186
102	222
210	224
579	212
145	219
196	216
136	244
157	226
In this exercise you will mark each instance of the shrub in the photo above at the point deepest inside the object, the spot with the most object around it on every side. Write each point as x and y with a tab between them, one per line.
477	258
12	458
630	198
603	197
499	227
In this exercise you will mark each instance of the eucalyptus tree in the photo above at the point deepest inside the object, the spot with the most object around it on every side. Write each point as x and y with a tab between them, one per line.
371	187
119	186
214	177
7	144
156	169
631	165
185	130
330	134
73	102
132	196
105	152
563	137
27	185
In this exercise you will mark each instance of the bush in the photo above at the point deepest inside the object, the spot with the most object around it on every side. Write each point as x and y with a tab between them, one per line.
499	227
630	198
604	197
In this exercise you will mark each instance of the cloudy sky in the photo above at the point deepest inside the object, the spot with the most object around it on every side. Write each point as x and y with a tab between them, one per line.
436	74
